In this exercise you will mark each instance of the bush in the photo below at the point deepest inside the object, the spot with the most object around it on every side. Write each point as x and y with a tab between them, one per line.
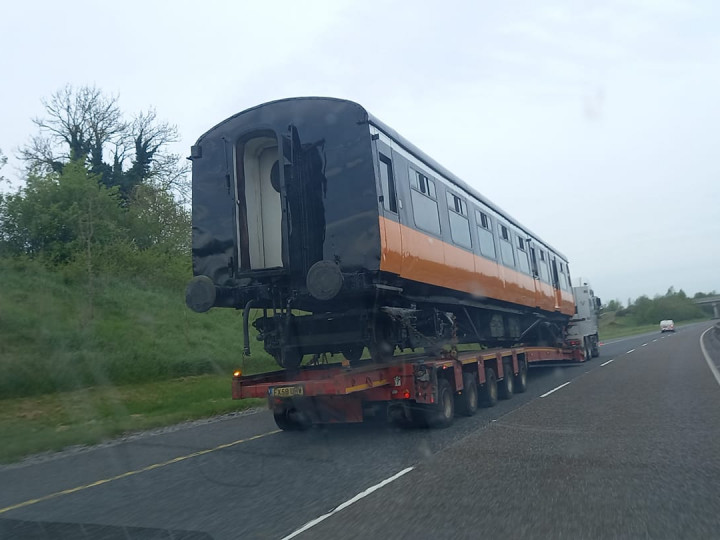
57	216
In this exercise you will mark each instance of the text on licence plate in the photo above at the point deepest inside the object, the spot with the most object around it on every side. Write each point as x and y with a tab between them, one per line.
288	391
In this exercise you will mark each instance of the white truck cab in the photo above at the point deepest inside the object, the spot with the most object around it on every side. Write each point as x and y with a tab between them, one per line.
583	327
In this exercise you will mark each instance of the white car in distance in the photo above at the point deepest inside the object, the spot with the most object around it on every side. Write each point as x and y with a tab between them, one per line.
667	326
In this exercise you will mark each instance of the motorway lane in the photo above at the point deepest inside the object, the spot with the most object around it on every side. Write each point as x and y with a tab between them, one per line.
631	450
260	488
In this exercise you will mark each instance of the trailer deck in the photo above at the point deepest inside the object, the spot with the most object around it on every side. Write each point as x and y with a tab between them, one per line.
414	389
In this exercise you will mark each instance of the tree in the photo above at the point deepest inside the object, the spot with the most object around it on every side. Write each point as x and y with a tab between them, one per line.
152	164
55	215
78	123
3	162
85	125
673	305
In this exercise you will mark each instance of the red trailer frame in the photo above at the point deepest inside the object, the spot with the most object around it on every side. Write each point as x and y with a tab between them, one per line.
415	389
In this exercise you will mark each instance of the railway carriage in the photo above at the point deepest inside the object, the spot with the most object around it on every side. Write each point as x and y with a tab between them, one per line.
347	236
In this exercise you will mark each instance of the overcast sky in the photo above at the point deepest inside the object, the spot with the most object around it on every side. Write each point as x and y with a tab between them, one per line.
596	123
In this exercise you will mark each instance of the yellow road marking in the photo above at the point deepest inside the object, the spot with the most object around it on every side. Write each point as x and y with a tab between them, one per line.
132	473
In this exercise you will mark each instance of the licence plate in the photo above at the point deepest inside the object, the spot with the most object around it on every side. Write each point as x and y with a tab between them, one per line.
287	391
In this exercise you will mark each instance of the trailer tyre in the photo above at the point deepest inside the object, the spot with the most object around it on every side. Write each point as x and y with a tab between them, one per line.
466	403
291	420
507	385
595	348
489	390
442	413
588	348
353	352
521	379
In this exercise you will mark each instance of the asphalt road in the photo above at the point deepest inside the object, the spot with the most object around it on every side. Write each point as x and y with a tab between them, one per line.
630	448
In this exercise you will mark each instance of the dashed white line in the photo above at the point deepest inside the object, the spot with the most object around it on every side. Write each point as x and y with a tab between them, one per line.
344	505
546	394
606	363
654	340
631	350
644	344
709	361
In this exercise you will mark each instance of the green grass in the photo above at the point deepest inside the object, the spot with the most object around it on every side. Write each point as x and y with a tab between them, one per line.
54	337
51	422
76	369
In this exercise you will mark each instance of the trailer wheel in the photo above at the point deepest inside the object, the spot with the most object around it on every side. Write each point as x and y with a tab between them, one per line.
595	350
507	385
289	419
489	391
397	415
521	381
588	348
381	345
353	352
442	413
466	403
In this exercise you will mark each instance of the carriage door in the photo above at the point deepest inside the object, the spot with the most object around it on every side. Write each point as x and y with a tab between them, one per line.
389	206
305	186
536	276
556	284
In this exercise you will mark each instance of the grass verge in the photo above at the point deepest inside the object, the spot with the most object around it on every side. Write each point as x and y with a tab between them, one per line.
625	326
127	332
30	425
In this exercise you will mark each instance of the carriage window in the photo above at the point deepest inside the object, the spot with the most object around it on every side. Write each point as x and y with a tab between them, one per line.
522	256
388	184
456	204
422	183
459	223
425	208
484	227
506	248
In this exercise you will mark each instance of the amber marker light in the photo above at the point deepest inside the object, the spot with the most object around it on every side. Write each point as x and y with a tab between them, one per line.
237	373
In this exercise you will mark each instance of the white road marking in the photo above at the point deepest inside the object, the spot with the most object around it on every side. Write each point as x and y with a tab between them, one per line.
631	350
709	361
644	344
546	394
654	340
606	363
626	338
344	505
